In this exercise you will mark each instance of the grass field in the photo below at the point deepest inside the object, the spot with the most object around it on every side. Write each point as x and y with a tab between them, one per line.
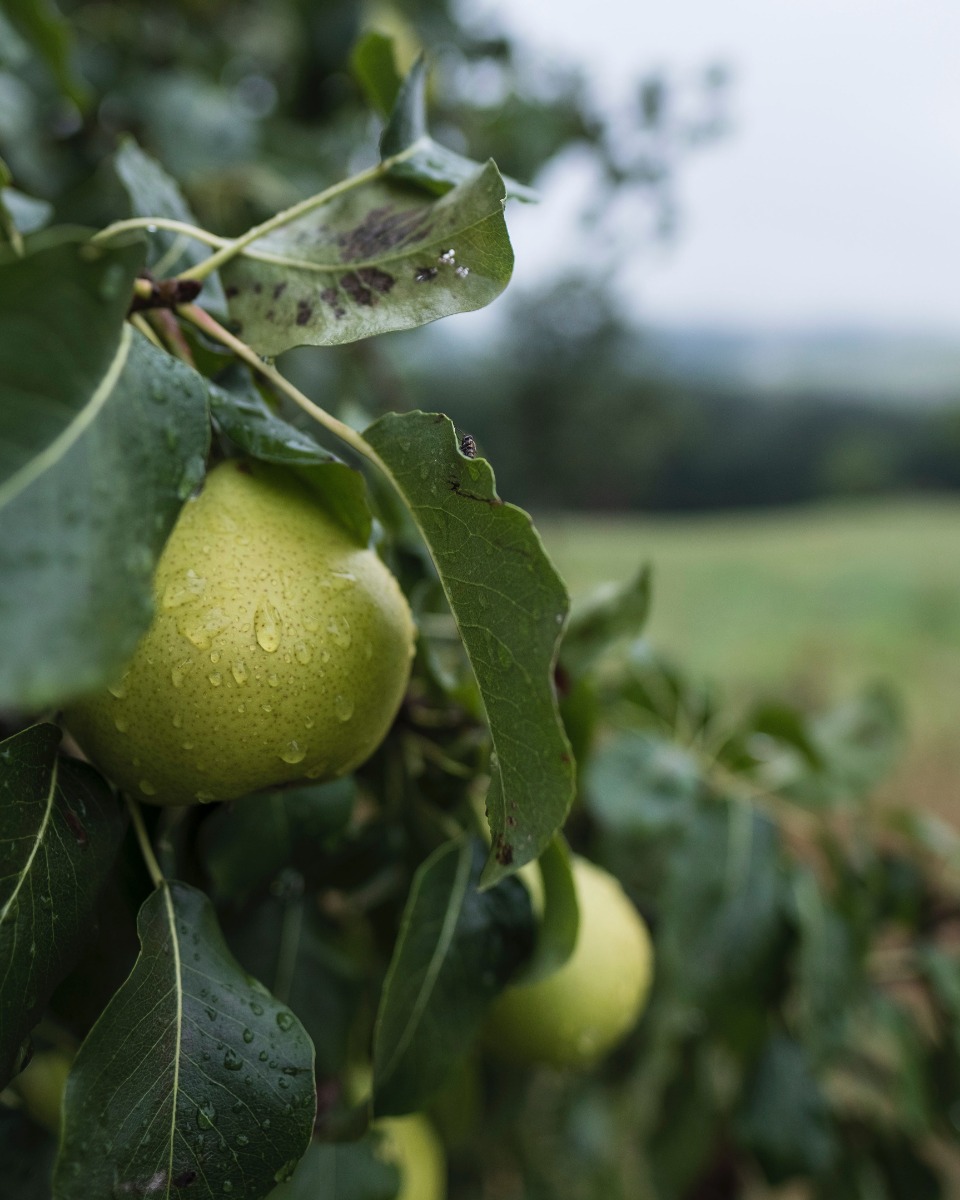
813	603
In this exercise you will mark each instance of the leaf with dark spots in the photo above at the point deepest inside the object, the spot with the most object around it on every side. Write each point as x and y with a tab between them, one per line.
60	828
348	269
510	607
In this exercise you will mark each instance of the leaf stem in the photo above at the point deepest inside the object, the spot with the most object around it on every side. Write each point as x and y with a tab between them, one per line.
236	246
143	838
202	320
151	223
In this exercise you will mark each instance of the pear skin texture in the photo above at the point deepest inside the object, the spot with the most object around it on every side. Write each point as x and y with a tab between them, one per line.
413	1147
576	1015
279	651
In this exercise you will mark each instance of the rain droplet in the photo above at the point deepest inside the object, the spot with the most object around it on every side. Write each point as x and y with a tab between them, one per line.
215	678
272	680
239	671
190	588
177	720
303	653
285	1021
227	1185
122	724
256	1009
179	673
263	1056
242	1139
248	1036
293	753
340	580
266	624
339	630
147	787
206	1115
214	656
317	771
343	707
119	689
232	1061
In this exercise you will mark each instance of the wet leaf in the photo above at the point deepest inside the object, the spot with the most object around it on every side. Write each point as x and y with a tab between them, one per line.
457	949
195	1082
60	828
249	422
154	193
375	258
102	438
510	606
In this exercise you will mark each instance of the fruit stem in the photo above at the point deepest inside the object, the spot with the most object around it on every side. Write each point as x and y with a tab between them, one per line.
143	838
202	320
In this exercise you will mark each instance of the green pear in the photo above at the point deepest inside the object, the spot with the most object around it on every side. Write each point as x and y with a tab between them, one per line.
576	1015
411	1144
279	650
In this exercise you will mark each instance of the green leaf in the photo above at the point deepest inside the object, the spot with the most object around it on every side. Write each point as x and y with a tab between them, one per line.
557	931
195	1081
154	193
246	418
307	964
345	1171
456	951
375	68
102	438
412	155
60	827
611	613
372	259
44	27
510	606
19	214
246	843
784	1118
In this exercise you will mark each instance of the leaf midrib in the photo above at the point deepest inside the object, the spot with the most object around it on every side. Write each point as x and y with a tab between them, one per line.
178	987
71	433
38	841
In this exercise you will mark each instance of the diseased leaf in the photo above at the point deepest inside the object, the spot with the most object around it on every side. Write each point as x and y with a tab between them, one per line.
413	156
102	438
154	193
375	258
60	828
374	65
249	422
195	1081
457	949
510	606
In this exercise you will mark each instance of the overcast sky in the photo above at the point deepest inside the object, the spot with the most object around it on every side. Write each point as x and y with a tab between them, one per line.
837	197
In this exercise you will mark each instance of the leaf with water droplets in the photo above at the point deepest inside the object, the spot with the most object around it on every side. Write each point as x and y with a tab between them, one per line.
102	438
60	827
510	606
457	949
378	257
194	1077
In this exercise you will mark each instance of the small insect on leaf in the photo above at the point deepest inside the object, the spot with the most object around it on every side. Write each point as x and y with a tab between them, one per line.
468	447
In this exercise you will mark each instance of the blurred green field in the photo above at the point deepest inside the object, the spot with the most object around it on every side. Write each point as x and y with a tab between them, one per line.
812	603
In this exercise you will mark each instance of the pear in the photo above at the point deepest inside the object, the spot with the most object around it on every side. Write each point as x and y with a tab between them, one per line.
576	1015
279	650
